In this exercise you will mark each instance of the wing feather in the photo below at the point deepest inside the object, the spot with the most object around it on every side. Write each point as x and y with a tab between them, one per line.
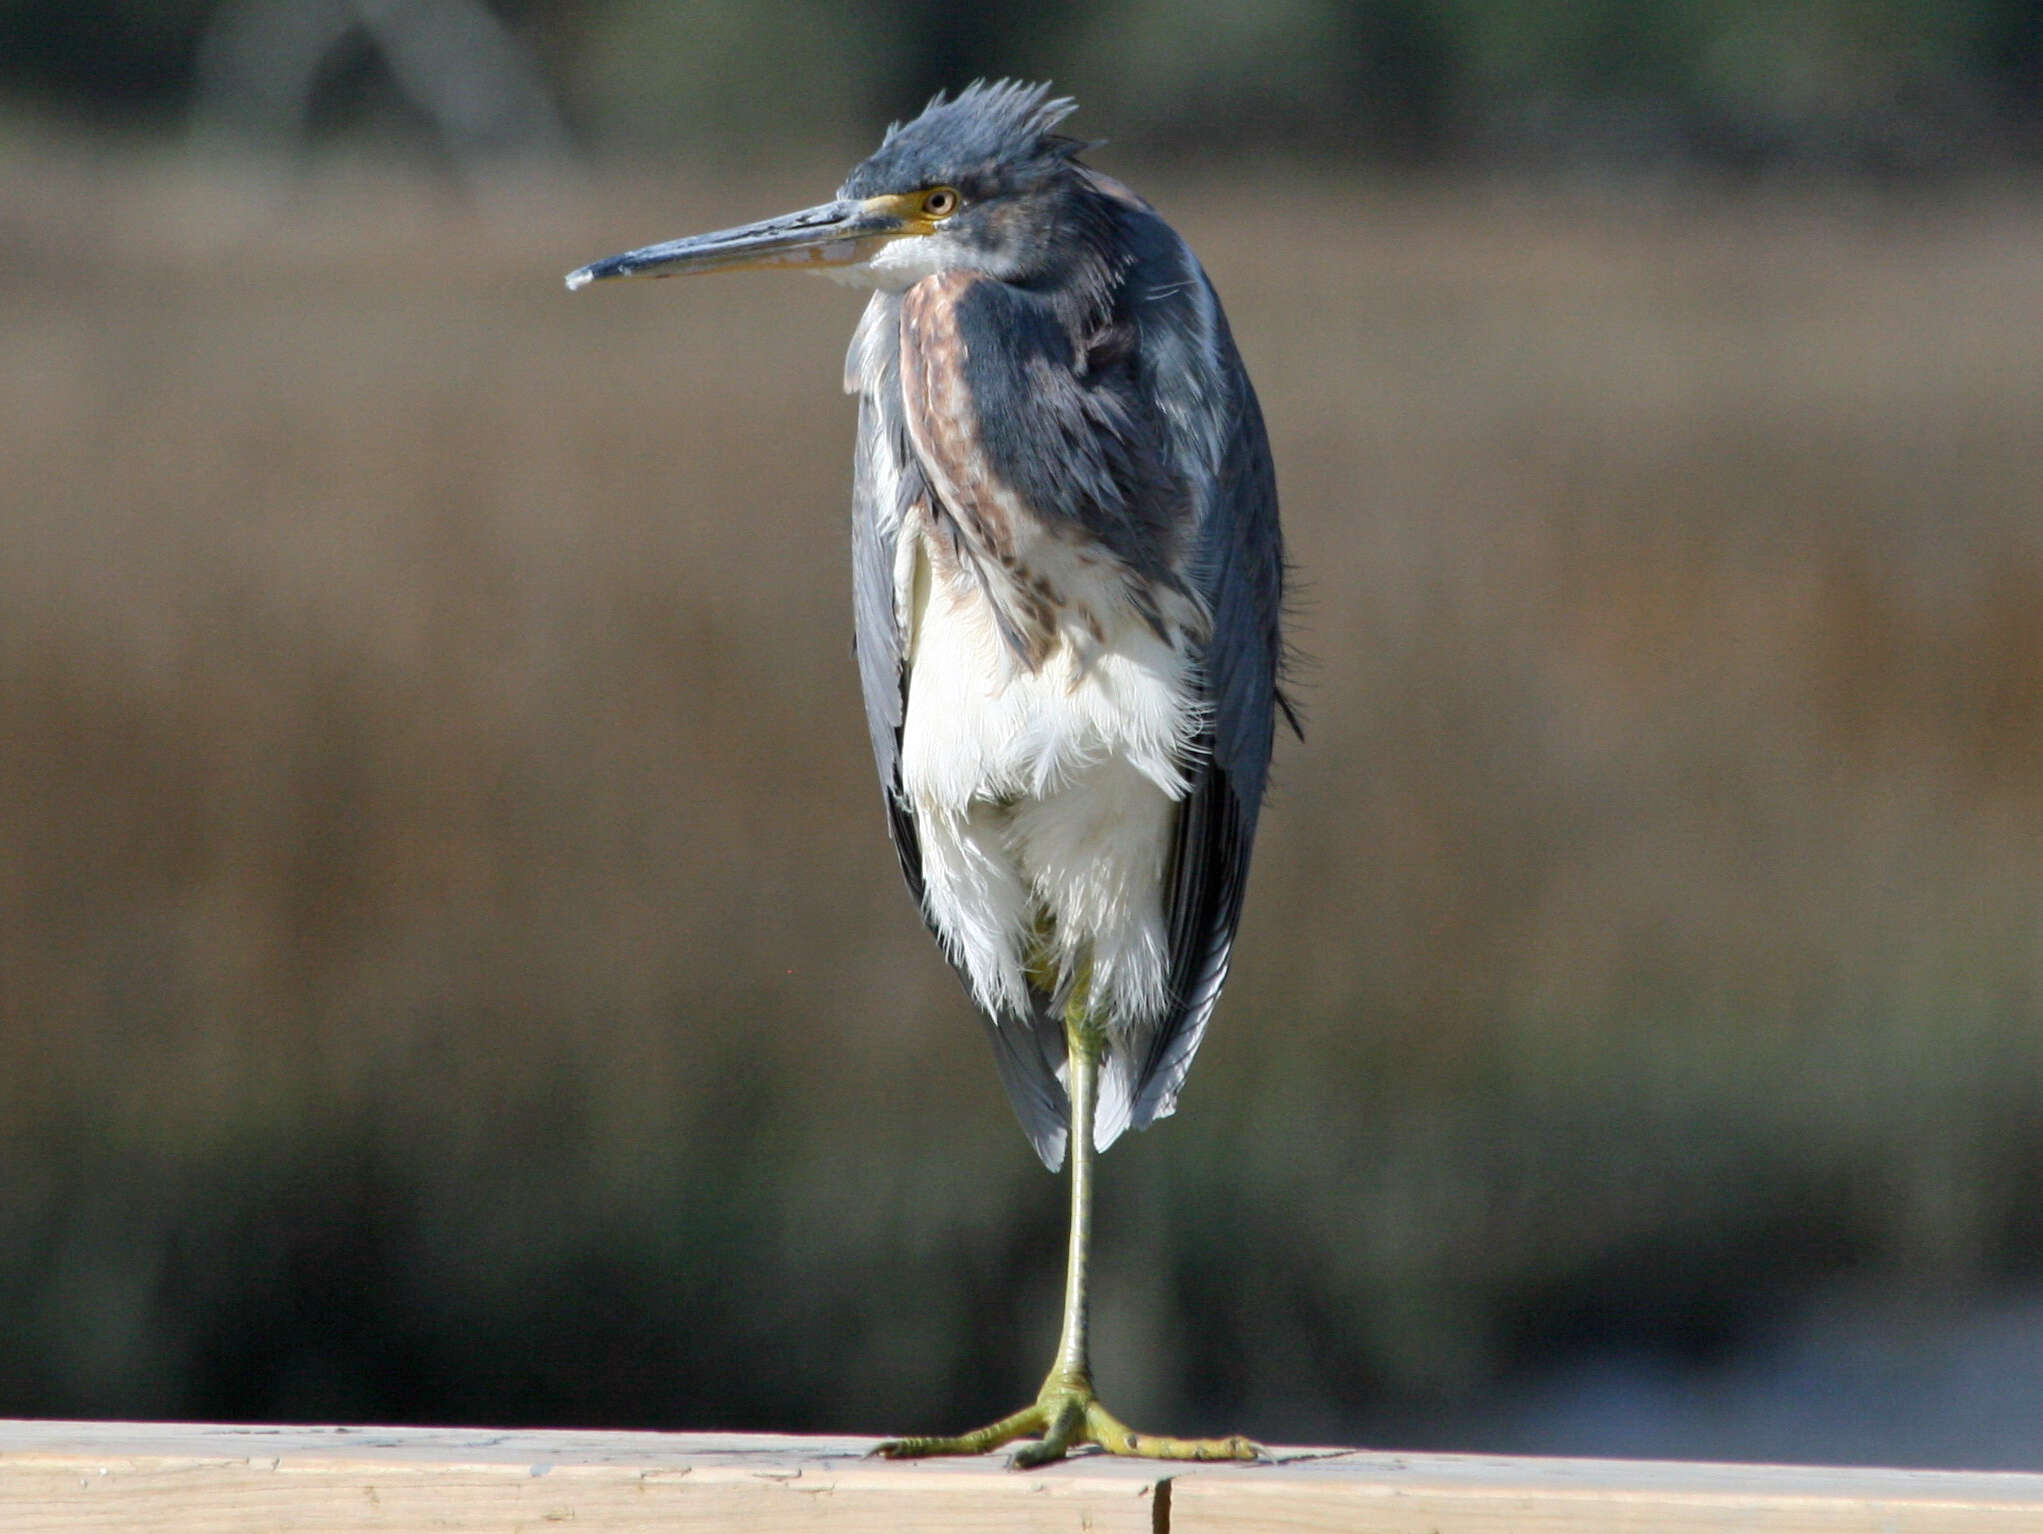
1219	442
887	481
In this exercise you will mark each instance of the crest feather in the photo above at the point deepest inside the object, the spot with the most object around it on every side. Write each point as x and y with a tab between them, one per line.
997	129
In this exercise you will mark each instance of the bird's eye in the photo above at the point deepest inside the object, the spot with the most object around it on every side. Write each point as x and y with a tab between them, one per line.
939	202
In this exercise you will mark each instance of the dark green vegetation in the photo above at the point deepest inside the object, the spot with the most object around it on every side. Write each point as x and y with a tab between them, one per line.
1889	85
452	968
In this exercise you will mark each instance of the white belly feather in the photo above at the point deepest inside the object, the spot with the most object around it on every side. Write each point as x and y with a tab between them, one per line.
1048	793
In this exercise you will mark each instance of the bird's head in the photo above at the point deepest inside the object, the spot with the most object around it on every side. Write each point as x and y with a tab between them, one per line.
982	182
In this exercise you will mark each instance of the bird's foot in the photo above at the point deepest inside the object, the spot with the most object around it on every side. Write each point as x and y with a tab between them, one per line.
1065	1416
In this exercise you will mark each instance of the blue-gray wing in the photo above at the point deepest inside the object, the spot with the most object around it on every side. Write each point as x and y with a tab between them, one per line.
1217	441
880	500
887	483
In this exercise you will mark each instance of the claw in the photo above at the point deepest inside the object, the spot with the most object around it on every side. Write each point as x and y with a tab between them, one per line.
1065	1418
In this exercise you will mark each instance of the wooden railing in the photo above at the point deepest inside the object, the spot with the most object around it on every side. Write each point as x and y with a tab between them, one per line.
195	1479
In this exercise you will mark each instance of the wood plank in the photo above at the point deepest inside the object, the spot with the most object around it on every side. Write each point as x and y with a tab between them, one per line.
202	1479
1479	1494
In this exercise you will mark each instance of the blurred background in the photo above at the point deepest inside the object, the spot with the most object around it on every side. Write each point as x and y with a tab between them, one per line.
452	969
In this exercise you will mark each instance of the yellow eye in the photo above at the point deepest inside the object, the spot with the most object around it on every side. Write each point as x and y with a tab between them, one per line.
939	202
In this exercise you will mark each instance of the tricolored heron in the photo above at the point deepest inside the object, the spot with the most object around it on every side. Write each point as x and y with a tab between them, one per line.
1067	579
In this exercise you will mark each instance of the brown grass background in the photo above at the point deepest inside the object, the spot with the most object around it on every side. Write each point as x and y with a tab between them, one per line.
451	964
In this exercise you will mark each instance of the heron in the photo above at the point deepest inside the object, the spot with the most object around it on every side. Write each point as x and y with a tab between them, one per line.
1067	580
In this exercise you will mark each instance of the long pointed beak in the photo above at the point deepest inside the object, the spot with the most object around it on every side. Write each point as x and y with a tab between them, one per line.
831	234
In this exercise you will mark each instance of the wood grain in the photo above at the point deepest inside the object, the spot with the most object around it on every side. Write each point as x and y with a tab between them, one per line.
202	1479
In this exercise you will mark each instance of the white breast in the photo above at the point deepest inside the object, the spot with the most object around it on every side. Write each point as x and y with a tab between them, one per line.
1047	793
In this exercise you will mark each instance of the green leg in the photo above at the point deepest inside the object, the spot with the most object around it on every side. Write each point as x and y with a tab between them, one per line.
1066	1412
